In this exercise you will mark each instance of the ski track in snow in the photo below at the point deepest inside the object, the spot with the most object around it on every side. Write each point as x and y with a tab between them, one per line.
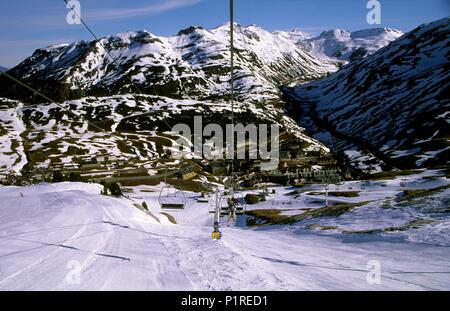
45	228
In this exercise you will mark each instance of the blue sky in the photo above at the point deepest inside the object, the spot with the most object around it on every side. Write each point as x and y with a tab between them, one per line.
30	24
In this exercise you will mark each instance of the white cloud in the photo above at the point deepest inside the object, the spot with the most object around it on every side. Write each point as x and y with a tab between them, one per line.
153	9
33	43
55	17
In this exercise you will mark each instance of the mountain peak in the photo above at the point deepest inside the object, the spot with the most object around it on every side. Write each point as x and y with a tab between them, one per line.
296	35
297	31
335	33
129	35
189	30
347	45
371	32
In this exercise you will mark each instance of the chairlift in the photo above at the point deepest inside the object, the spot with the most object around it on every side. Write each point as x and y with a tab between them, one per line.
171	198
239	204
203	198
232	183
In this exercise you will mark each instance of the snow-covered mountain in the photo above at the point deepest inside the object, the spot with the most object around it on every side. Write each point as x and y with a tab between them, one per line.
295	35
192	65
339	44
3	69
391	108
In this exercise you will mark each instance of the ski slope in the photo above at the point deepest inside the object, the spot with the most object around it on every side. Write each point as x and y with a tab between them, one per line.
69	237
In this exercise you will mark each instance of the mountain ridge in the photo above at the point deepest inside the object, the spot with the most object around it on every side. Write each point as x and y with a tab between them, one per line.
189	64
193	64
344	45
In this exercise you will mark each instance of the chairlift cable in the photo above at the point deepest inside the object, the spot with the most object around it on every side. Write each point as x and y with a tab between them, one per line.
35	92
78	117
50	100
89	29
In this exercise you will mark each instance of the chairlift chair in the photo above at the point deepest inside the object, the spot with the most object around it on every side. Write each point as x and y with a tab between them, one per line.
241	206
203	198
239	201
171	198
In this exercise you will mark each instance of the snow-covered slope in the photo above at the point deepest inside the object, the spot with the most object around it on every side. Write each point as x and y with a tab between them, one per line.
69	237
12	155
349	46
393	104
295	35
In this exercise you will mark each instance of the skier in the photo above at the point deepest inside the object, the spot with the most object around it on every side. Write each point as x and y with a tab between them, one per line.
232	203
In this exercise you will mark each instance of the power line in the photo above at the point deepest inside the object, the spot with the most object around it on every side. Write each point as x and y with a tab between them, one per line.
52	101
47	98
80	117
88	28
77	116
